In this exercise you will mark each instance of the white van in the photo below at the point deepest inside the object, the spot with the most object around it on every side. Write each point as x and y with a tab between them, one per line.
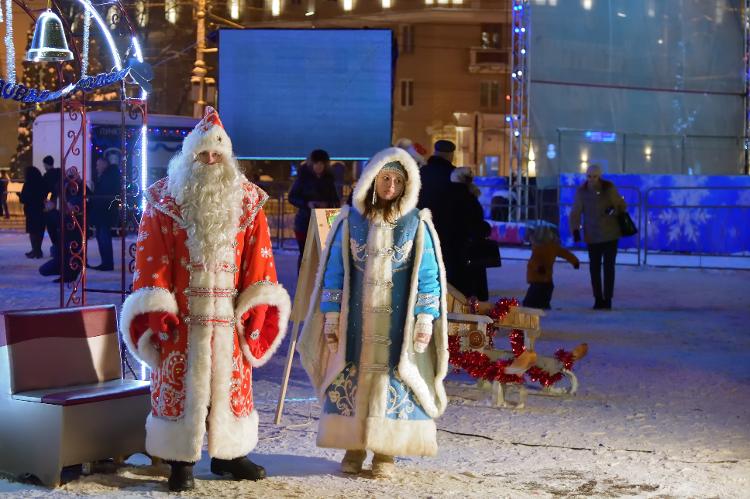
164	138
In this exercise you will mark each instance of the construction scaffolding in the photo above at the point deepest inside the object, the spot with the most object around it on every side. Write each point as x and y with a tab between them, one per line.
518	119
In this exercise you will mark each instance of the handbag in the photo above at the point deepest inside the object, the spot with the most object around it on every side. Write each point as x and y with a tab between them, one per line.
627	226
482	253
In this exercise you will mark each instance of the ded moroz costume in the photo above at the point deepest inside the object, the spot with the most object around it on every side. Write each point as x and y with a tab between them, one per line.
206	308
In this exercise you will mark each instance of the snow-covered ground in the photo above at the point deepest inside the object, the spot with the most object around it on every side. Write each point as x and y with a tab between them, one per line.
663	408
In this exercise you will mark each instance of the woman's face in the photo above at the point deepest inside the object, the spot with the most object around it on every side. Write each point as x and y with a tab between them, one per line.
319	167
389	185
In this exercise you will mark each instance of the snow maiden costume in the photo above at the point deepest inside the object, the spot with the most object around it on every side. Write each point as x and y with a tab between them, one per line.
384	284
206	308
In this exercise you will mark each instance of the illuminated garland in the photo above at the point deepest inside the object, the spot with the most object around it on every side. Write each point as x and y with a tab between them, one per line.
479	365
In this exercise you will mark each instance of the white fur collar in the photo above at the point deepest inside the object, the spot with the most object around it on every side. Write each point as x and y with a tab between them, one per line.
413	183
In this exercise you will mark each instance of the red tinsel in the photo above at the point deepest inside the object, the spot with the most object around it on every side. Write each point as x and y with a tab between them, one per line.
479	365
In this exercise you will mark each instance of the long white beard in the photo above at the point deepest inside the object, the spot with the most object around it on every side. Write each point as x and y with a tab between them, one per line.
210	200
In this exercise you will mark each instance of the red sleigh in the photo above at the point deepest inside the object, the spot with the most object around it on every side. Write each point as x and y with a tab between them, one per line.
475	327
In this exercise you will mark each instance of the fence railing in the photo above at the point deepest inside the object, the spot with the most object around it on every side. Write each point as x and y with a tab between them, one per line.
728	232
725	225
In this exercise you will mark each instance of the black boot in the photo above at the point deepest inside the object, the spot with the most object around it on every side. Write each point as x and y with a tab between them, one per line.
181	477
241	468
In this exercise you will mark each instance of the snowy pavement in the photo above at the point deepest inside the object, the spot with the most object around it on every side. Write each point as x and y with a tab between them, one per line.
663	408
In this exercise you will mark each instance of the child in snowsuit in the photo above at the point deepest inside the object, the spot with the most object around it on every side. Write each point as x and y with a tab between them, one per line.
545	248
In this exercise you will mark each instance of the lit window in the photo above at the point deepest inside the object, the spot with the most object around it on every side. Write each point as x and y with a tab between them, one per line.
491	36
141	13
489	94
587	4
170	11
348	4
386	4
235	8
407	93
429	2
275	7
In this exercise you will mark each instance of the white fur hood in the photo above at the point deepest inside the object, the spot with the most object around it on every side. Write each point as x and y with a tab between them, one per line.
378	161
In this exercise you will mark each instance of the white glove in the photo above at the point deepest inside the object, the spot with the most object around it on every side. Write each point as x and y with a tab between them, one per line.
422	332
331	331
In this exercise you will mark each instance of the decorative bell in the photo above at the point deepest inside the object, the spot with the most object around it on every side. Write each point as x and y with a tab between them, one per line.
49	43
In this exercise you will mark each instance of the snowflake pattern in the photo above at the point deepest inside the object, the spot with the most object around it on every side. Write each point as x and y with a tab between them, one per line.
265	252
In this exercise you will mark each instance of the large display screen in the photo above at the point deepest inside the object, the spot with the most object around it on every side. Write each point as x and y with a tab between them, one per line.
285	92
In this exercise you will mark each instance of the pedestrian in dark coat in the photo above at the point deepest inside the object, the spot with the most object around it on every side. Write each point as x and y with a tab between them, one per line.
33	195
52	177
315	187
458	219
73	233
599	203
103	210
464	228
4	183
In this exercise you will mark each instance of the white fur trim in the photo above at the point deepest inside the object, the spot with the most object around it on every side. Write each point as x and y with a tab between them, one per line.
416	369
215	139
413	183
233	437
401	437
147	352
174	440
139	302
263	293
341	432
322	365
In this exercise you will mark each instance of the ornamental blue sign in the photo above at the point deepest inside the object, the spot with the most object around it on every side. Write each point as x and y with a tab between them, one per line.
22	93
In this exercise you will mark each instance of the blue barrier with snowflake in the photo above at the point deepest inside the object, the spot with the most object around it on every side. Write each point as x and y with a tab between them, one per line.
677	213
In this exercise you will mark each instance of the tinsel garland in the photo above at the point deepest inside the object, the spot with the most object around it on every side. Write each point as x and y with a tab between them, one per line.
86	39
479	365
10	49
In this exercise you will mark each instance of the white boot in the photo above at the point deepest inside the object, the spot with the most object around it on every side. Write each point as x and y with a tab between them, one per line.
352	462
383	466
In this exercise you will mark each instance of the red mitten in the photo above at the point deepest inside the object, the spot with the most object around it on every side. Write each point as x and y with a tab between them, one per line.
158	322
253	319
261	328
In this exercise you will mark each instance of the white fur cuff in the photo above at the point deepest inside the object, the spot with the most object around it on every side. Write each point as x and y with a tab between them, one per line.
263	293
142	301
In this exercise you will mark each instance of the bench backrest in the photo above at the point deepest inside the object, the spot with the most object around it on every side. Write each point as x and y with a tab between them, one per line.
51	348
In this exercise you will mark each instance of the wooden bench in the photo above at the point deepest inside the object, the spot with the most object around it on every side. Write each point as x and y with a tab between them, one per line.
62	397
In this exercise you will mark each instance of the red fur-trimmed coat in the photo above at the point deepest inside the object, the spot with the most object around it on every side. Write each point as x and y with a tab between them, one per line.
201	379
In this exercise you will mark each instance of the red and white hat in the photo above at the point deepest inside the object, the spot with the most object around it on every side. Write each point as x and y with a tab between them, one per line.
208	135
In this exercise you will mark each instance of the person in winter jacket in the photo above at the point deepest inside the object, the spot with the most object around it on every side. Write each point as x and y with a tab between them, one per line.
315	187
375	339
103	210
33	195
600	204
545	248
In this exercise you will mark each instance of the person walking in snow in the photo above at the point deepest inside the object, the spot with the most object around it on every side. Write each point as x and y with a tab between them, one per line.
375	340
599	203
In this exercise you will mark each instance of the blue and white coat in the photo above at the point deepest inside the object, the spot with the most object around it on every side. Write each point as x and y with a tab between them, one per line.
376	392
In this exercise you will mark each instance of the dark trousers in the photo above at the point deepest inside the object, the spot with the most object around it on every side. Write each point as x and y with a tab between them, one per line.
301	237
36	238
72	267
52	223
104	240
539	295
597	252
